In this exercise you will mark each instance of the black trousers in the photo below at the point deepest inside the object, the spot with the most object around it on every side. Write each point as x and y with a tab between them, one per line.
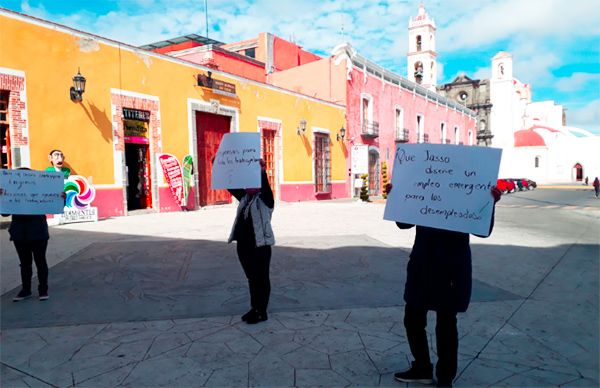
446	335
256	262
29	251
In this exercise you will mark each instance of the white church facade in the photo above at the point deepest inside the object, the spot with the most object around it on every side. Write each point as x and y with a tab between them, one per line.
536	143
535	140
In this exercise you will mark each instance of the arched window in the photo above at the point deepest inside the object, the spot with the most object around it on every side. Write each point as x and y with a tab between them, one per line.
456	135
470	137
537	162
419	43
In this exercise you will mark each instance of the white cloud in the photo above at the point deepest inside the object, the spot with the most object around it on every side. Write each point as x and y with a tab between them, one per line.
587	117
577	81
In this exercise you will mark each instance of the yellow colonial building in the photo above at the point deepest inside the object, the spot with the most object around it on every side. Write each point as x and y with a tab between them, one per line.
115	109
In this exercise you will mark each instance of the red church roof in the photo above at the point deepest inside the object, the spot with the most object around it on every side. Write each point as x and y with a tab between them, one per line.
528	138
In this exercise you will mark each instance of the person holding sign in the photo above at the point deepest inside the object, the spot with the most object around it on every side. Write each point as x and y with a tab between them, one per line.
254	235
438	278
29	234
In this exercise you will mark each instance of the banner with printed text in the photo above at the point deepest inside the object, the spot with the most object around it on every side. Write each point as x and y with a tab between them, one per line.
173	175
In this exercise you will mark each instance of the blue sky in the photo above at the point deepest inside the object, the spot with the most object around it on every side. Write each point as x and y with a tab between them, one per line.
555	43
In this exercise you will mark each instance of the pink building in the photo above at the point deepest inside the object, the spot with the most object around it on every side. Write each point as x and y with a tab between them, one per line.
382	108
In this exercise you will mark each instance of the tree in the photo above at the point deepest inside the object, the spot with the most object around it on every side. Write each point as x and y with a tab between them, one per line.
364	190
384	178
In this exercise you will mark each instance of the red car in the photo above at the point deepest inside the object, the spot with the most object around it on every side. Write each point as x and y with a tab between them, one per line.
505	185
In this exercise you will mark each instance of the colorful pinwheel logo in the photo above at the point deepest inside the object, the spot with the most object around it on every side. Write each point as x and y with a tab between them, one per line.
80	193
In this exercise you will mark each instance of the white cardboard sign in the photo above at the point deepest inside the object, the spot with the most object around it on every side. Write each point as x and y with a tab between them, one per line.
31	192
360	159
237	162
444	186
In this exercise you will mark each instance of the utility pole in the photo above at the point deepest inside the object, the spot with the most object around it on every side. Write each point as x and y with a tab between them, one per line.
206	15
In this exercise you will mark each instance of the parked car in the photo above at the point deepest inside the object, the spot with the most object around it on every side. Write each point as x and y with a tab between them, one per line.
505	185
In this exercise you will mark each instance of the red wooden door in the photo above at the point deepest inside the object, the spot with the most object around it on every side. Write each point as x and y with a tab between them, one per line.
210	130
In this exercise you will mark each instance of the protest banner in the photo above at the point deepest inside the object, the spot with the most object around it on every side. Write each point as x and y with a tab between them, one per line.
444	186
31	192
173	175
237	162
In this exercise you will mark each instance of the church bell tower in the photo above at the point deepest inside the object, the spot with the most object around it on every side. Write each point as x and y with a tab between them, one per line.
422	65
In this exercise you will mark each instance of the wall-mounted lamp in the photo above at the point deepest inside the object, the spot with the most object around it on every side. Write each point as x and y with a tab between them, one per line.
342	134
301	127
78	87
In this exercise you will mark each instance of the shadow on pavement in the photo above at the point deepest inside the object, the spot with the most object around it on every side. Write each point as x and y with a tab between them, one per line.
148	279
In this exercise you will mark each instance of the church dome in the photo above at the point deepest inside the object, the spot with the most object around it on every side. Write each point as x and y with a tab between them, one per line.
528	138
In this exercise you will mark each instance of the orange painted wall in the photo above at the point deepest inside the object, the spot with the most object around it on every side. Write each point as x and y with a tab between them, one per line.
50	55
320	79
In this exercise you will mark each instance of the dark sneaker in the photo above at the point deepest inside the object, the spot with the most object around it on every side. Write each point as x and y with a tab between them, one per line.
416	375
256	317
43	296
248	315
22	295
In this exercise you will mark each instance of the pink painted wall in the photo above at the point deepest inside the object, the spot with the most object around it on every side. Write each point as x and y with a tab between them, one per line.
293	192
168	203
109	202
320	79
385	97
287	55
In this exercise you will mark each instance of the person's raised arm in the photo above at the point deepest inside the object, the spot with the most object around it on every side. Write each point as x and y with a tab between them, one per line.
401	225
266	194
497	194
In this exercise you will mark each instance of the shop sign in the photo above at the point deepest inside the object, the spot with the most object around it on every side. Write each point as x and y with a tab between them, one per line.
218	86
71	215
136	114
135	131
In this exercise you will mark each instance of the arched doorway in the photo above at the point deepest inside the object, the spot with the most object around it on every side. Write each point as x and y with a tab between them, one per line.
578	171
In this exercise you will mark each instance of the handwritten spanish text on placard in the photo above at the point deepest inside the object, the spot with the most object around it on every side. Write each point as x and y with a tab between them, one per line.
237	163
31	192
444	186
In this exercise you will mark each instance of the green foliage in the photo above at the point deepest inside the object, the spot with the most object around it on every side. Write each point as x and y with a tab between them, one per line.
384	176
364	190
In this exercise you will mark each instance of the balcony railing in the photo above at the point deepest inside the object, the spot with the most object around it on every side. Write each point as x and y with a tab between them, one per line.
448	141
402	135
425	138
369	128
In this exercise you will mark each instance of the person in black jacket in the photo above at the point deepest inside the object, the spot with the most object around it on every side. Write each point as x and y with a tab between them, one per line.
29	234
438	278
254	235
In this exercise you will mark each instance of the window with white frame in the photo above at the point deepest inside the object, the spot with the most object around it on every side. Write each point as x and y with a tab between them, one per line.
399	117
537	162
456	135
420	129
470	137
443	133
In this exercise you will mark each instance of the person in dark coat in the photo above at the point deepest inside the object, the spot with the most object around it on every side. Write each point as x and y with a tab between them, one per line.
438	278
596	185
254	235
